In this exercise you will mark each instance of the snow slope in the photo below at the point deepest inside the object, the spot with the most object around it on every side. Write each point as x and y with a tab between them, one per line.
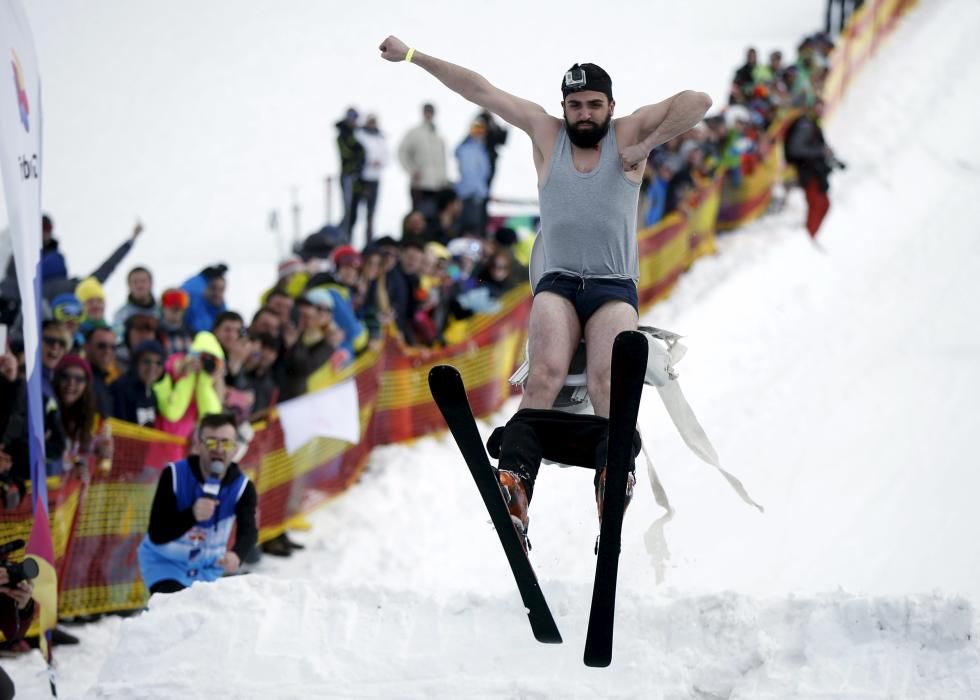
840	385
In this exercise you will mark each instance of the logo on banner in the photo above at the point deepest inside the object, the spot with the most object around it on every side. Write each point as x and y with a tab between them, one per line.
22	103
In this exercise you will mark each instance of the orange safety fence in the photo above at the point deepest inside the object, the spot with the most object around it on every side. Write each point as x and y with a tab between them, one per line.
98	519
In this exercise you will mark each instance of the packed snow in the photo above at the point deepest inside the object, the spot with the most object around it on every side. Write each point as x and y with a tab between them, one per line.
840	384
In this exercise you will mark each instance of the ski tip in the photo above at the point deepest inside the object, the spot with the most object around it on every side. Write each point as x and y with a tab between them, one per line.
548	637
597	661
443	373
631	344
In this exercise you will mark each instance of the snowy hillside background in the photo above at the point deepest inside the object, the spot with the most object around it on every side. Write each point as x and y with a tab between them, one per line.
841	386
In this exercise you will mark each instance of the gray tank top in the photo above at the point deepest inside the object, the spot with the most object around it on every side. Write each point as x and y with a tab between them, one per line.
588	220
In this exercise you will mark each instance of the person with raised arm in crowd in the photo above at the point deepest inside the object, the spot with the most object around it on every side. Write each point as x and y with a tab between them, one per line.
589	171
60	283
197	501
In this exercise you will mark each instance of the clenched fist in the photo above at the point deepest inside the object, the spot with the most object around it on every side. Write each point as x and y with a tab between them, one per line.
633	156
393	49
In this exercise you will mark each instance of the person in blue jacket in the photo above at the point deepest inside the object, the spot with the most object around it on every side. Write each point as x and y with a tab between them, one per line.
197	501
206	291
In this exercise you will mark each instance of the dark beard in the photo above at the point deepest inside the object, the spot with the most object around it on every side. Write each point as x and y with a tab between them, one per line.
587	138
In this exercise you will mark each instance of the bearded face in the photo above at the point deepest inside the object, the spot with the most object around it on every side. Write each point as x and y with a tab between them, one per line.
586	133
582	114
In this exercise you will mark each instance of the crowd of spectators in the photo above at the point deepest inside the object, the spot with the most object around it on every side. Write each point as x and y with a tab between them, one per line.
734	140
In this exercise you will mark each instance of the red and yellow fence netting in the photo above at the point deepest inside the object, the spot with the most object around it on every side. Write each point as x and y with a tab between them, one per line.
97	521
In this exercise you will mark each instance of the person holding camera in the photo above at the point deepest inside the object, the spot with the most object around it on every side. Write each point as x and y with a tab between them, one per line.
807	151
17	607
192	386
197	501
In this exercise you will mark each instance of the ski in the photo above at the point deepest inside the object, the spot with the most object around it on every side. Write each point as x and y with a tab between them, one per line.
449	393
629	363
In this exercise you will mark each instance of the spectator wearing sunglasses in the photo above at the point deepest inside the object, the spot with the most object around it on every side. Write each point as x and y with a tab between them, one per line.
197	501
73	386
100	352
133	399
54	346
175	336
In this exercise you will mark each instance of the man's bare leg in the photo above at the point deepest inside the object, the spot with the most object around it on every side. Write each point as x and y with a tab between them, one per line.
601	330
553	336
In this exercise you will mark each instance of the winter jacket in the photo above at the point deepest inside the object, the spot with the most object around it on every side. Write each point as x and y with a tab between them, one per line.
806	151
200	313
375	153
132	400
474	169
182	398
133	307
423	151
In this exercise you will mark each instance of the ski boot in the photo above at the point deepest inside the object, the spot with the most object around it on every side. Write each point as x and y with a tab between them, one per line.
515	492
600	490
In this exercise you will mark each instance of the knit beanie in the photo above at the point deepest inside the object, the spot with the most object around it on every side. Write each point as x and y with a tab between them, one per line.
89	288
74	360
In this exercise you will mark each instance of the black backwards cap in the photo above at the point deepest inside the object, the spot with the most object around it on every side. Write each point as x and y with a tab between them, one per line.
586	76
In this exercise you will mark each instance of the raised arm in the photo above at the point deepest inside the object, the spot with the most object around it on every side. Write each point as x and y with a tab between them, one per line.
650	126
472	86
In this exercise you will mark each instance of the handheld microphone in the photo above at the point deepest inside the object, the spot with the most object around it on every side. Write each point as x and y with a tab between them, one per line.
213	483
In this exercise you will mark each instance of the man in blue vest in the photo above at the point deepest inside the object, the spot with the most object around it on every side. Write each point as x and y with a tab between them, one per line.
197	501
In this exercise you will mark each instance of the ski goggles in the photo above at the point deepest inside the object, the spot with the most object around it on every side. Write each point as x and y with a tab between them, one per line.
68	312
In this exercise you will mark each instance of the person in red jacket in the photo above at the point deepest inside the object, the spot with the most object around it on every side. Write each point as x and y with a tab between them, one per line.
807	150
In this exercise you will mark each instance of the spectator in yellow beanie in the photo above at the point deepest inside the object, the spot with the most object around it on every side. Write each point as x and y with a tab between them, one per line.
89	291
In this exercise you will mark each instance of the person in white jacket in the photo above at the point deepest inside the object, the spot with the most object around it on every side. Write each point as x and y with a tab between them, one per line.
423	155
375	160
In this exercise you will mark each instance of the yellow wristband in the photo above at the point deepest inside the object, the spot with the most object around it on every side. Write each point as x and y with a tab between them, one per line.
409	55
